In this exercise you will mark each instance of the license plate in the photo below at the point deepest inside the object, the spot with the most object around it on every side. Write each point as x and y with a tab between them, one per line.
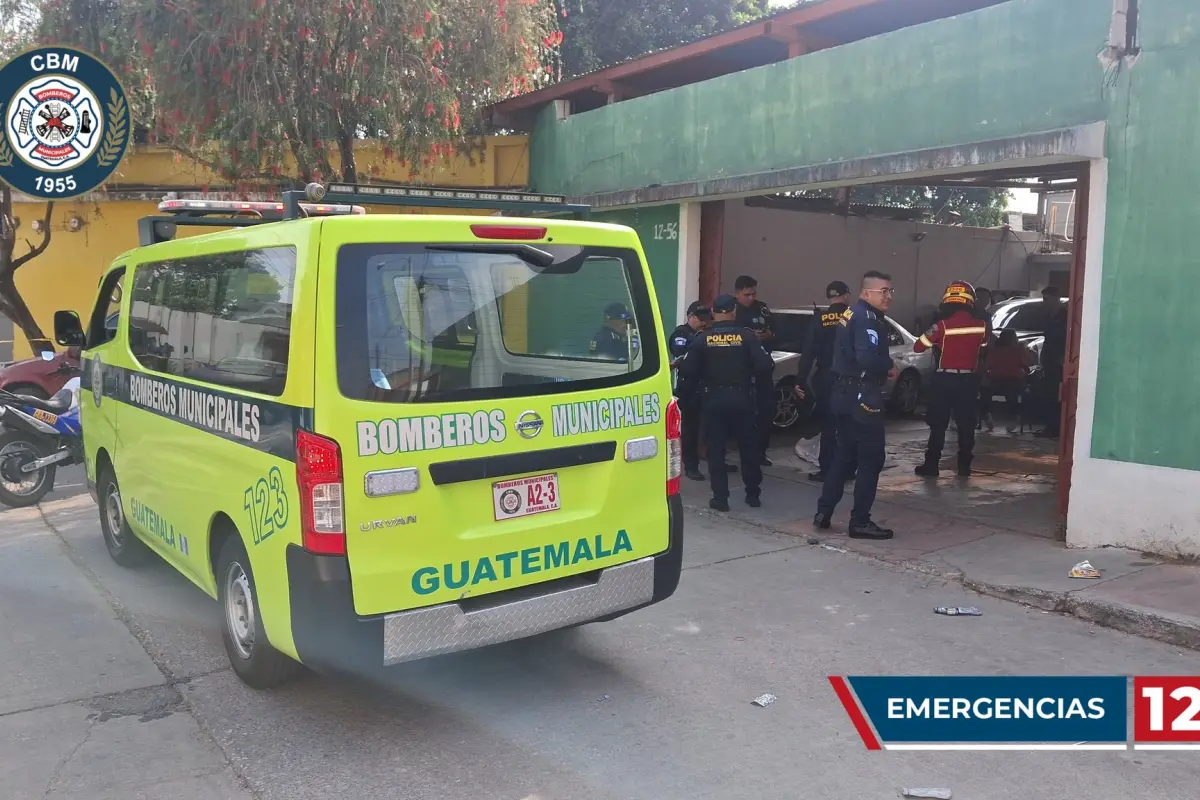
525	496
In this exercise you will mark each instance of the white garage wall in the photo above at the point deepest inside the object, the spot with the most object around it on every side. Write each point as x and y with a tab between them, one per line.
794	254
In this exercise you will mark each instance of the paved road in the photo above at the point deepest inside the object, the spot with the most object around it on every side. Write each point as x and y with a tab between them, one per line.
116	673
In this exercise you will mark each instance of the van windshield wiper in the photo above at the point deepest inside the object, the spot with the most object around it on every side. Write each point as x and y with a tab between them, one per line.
526	252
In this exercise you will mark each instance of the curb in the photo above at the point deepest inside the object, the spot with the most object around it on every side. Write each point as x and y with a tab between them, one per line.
1146	623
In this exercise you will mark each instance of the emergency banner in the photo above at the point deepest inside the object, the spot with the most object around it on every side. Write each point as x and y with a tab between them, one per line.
987	712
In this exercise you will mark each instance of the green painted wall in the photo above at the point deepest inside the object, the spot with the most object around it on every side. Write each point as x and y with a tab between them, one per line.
1019	67
1149	375
658	228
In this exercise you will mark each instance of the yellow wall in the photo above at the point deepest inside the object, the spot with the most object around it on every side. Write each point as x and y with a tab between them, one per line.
67	275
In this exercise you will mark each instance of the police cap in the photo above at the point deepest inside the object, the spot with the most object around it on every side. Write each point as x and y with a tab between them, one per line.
724	304
616	311
698	309
836	289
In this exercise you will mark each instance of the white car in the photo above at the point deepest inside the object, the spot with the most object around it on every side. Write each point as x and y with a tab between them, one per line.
904	392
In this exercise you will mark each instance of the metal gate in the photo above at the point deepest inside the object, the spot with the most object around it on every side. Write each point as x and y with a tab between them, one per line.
1069	389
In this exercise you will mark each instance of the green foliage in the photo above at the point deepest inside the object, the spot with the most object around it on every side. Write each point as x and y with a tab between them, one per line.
599	33
981	208
281	89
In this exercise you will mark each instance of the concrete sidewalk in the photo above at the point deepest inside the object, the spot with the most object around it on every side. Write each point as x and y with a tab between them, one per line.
84	710
1136	593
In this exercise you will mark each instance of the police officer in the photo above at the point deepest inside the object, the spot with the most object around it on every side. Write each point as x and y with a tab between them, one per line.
960	334
861	367
687	391
754	315
612	340
725	359
818	350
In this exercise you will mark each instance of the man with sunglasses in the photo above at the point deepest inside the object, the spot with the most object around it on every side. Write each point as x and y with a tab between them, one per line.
861	367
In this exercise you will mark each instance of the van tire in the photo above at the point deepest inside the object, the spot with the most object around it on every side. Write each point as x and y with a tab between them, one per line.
123	545
254	660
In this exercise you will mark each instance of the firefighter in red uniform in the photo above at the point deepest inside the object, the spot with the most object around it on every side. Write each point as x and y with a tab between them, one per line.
959	336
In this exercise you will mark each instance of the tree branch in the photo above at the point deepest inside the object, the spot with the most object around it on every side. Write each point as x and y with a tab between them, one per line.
34	252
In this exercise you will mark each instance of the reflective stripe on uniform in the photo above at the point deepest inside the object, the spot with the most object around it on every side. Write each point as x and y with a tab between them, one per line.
960	331
925	340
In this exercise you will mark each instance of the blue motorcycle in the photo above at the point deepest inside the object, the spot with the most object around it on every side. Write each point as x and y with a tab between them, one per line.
37	437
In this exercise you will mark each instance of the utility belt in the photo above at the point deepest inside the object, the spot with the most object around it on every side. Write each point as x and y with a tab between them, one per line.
855	381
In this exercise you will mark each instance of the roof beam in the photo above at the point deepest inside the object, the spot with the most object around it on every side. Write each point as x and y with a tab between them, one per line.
794	18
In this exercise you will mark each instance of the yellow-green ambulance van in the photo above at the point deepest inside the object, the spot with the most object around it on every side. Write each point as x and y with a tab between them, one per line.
375	438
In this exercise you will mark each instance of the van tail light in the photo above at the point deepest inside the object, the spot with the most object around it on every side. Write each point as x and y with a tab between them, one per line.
674	448
322	511
524	233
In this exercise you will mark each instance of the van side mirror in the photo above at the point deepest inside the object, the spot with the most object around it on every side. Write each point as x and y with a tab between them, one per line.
68	330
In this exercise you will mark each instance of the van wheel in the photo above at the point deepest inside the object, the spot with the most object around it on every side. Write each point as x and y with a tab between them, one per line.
123	546
259	665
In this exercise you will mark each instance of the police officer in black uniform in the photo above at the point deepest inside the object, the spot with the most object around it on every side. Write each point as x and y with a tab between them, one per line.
688	391
724	359
861	367
818	351
754	315
612	341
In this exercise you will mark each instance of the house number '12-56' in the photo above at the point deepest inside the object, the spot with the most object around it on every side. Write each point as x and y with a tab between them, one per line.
666	230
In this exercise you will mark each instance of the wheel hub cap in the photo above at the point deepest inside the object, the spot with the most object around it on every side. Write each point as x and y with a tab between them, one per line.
239	609
116	517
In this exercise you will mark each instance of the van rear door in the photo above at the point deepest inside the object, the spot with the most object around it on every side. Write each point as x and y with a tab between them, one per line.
499	404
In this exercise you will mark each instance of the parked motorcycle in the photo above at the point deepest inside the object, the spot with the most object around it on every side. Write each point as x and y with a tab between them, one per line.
37	437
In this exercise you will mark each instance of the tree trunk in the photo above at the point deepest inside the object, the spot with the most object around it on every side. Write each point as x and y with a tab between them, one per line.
346	151
12	305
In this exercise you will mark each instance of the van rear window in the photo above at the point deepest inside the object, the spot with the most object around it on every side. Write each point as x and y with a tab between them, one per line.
425	323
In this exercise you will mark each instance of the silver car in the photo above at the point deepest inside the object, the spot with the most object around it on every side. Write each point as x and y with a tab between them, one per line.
904	392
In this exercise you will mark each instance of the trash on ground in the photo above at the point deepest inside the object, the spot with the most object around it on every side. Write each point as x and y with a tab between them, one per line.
764	700
1084	569
835	549
958	611
602	699
813	540
936	794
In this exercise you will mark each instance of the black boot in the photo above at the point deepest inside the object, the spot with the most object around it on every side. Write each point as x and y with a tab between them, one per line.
964	467
928	470
869	530
731	468
694	473
717	504
753	501
822	521
817	477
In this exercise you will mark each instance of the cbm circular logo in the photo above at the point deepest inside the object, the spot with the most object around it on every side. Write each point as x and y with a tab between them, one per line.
510	501
66	123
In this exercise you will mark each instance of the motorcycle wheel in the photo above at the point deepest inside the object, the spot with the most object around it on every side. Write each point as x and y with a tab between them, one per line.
21	490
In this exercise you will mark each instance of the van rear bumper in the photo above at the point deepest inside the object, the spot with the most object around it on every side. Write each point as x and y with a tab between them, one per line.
329	635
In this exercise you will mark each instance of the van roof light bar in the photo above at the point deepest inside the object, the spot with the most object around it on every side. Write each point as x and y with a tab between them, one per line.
270	211
341	199
522	203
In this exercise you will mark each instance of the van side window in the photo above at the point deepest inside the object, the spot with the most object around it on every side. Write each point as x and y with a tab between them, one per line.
223	319
102	327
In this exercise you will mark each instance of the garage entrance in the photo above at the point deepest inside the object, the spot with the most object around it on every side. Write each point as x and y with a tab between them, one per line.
795	242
